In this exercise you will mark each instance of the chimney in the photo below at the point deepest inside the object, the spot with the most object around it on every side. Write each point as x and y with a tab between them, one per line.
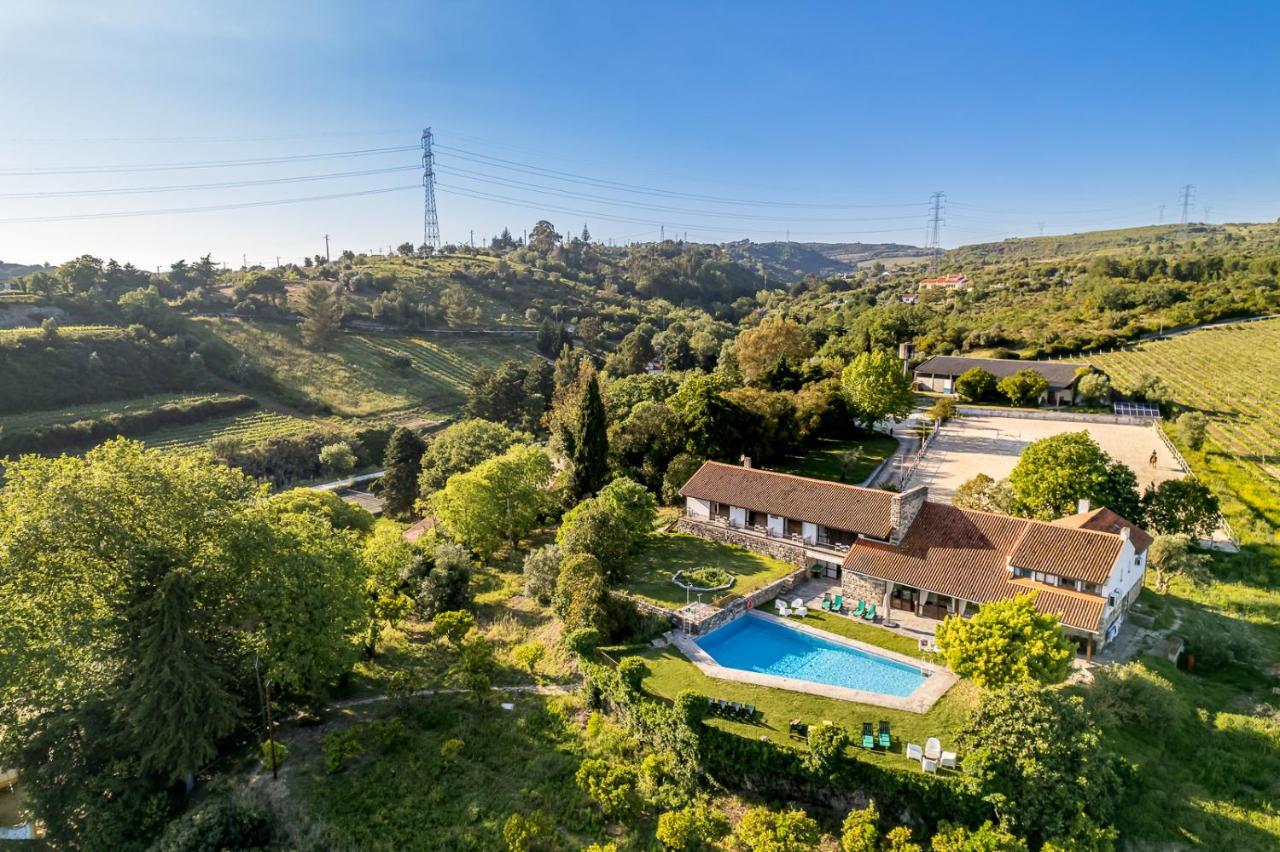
1124	533
746	462
1082	506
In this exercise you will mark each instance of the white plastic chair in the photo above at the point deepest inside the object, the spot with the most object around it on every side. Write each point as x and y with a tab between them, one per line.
914	752
801	611
929	765
932	748
797	603
948	759
781	607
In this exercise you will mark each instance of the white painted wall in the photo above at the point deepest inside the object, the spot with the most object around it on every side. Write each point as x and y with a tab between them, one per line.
809	532
695	508
777	525
1126	574
737	516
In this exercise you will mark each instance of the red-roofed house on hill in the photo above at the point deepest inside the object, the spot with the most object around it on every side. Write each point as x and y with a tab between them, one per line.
954	281
908	554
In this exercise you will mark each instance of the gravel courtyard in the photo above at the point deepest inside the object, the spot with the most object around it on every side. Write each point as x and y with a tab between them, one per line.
977	444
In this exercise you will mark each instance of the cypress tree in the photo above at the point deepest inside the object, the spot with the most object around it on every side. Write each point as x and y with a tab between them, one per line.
589	450
403	464
176	703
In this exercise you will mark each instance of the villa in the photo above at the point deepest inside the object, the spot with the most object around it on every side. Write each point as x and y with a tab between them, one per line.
922	559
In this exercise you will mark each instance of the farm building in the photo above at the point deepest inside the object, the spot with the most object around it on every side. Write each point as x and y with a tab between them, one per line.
954	281
940	372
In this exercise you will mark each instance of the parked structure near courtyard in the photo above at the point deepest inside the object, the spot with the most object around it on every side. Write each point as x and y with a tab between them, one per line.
940	372
908	553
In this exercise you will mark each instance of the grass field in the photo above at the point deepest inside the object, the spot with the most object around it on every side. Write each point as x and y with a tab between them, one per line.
250	427
69	414
356	378
652	568
1230	374
823	460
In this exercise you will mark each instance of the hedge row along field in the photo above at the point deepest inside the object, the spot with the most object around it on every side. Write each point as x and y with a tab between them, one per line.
249	428
1232	374
370	374
137	419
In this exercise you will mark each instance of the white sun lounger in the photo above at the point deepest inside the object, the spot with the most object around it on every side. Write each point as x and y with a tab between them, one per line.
932	748
948	759
781	607
914	752
929	765
801	611
797	603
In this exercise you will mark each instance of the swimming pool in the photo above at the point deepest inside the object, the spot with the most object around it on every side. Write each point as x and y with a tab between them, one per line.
758	644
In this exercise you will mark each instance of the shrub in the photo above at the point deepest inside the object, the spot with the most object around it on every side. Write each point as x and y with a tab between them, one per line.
1132	694
1192	427
580	593
541	568
826	746
975	385
582	641
631	671
453	626
692	829
451	749
338	459
1218	643
763	830
861	831
447	586
528	654
1023	388
343	745
273	754
221	823
610	785
528	833
1007	642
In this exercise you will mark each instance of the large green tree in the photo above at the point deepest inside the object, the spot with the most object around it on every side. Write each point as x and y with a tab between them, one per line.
1180	506
775	345
1054	473
584	435
403	466
463	445
878	387
1007	642
321	315
1024	388
497	501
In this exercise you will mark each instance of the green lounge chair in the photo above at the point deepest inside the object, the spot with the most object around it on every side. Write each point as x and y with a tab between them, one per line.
870	614
826	603
857	610
884	739
838	604
868	739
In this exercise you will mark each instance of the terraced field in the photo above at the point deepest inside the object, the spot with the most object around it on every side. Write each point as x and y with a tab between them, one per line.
361	376
69	414
1232	374
250	427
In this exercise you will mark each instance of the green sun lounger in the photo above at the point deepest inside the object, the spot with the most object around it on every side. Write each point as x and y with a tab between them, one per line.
868	738
870	614
826	604
838	604
884	738
857	610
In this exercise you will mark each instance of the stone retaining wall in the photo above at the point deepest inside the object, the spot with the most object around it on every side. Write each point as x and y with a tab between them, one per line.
858	587
778	548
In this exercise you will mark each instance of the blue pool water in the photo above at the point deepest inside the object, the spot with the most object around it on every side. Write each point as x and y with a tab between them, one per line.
756	644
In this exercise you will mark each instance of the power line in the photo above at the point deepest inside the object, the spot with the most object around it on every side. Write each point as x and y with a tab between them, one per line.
430	220
276	137
204	164
135	190
124	214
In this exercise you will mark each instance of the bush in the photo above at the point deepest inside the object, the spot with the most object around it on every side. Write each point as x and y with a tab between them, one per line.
692	829
1219	643
221	823
1132	694
529	833
343	745
860	831
582	641
610	785
763	830
268	747
337	459
826	746
541	568
592	529
631	671
1192	427
447	586
453	626
975	385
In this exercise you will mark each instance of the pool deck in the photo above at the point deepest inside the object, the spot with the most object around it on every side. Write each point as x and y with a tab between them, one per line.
937	681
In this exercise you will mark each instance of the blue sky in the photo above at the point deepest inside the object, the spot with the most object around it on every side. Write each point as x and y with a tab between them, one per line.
832	122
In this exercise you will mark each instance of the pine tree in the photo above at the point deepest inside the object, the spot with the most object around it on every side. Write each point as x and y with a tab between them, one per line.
589	453
176	700
321	316
403	464
586	235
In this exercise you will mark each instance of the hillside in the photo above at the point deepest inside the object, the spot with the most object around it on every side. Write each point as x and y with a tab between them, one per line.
788	262
10	271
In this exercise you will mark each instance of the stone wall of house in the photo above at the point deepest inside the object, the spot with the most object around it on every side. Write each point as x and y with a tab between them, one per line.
903	510
782	549
860	587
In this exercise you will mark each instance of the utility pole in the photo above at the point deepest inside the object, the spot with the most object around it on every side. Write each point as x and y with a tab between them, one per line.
1041	229
277	261
472	240
326	248
935	220
430	221
662	233
244	261
1186	193
1161	222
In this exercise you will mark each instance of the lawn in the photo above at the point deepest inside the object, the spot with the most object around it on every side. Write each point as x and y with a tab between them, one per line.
823	460
860	631
651	569
358	376
669	673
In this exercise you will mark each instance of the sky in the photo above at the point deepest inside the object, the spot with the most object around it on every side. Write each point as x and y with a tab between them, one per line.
125	123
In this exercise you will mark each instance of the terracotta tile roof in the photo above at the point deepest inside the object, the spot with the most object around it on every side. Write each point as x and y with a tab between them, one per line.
1076	553
1058	374
832	504
963	554
418	530
1105	520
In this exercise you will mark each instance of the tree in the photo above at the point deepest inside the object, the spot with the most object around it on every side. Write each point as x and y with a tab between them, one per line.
580	592
714	427
1038	759
763	830
632	504
942	410
632	355
541	568
321	315
987	837
447	585
476	666
337	459
878	388
1180	506
1007	642
610	784
861	830
1054	473
642	445
1173	556
340	514
681	469
1024	388
402	466
460	310
1093	388
984	494
529	654
695	828
590	528
826	747
498	500
1192	428
543	237
453	626
774	343
388	560
585	436
975	384
463	445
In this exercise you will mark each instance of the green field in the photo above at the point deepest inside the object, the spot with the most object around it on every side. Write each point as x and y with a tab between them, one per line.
651	569
823	460
356	378
249	427
69	414
1230	374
